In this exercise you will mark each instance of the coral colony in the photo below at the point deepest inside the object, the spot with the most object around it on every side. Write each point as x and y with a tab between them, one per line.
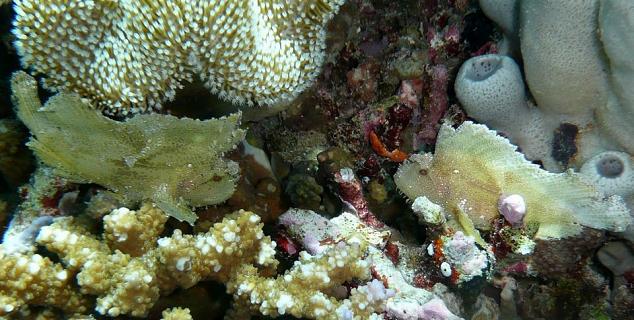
317	159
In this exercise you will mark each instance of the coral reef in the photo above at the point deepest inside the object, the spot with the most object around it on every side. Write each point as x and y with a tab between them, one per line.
316	201
135	158
128	277
134	54
473	155
36	280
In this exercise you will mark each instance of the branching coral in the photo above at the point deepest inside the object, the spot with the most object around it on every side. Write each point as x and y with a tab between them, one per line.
175	162
36	280
473	167
299	291
131	285
176	314
129	277
131	54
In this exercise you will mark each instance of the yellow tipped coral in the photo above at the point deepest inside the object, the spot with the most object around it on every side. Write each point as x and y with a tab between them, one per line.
234	251
174	162
134	54
36	280
473	168
131	285
300	291
176	314
134	232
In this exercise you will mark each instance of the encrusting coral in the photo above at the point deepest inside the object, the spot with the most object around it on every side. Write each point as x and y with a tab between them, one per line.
176	163
473	168
133	54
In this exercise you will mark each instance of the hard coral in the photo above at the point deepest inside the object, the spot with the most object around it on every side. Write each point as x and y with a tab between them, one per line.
129	55
174	162
131	285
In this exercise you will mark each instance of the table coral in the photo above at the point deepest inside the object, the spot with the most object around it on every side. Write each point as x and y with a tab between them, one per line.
129	55
472	167
174	162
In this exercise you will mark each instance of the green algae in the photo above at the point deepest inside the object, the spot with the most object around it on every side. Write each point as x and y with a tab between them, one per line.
175	162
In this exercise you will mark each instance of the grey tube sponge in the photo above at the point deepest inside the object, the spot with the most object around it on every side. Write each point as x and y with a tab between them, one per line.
562	55
612	172
491	90
616	24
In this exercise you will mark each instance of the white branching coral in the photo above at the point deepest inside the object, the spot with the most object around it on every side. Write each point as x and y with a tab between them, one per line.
135	54
234	251
176	314
134	232
131	285
300	291
472	168
36	280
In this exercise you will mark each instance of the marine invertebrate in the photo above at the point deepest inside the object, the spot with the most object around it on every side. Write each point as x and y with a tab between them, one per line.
577	66
131	285
472	167
134	54
234	251
612	172
299	291
317	233
351	193
174	162
176	314
36	280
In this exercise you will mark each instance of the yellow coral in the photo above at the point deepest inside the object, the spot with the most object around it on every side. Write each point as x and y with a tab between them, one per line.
131	285
174	162
134	232
135	53
177	314
36	280
472	168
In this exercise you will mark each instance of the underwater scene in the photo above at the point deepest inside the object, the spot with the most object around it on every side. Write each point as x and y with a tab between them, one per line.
317	159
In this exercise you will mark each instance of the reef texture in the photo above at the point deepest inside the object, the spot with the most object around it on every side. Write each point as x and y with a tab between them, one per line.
136	158
128	55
